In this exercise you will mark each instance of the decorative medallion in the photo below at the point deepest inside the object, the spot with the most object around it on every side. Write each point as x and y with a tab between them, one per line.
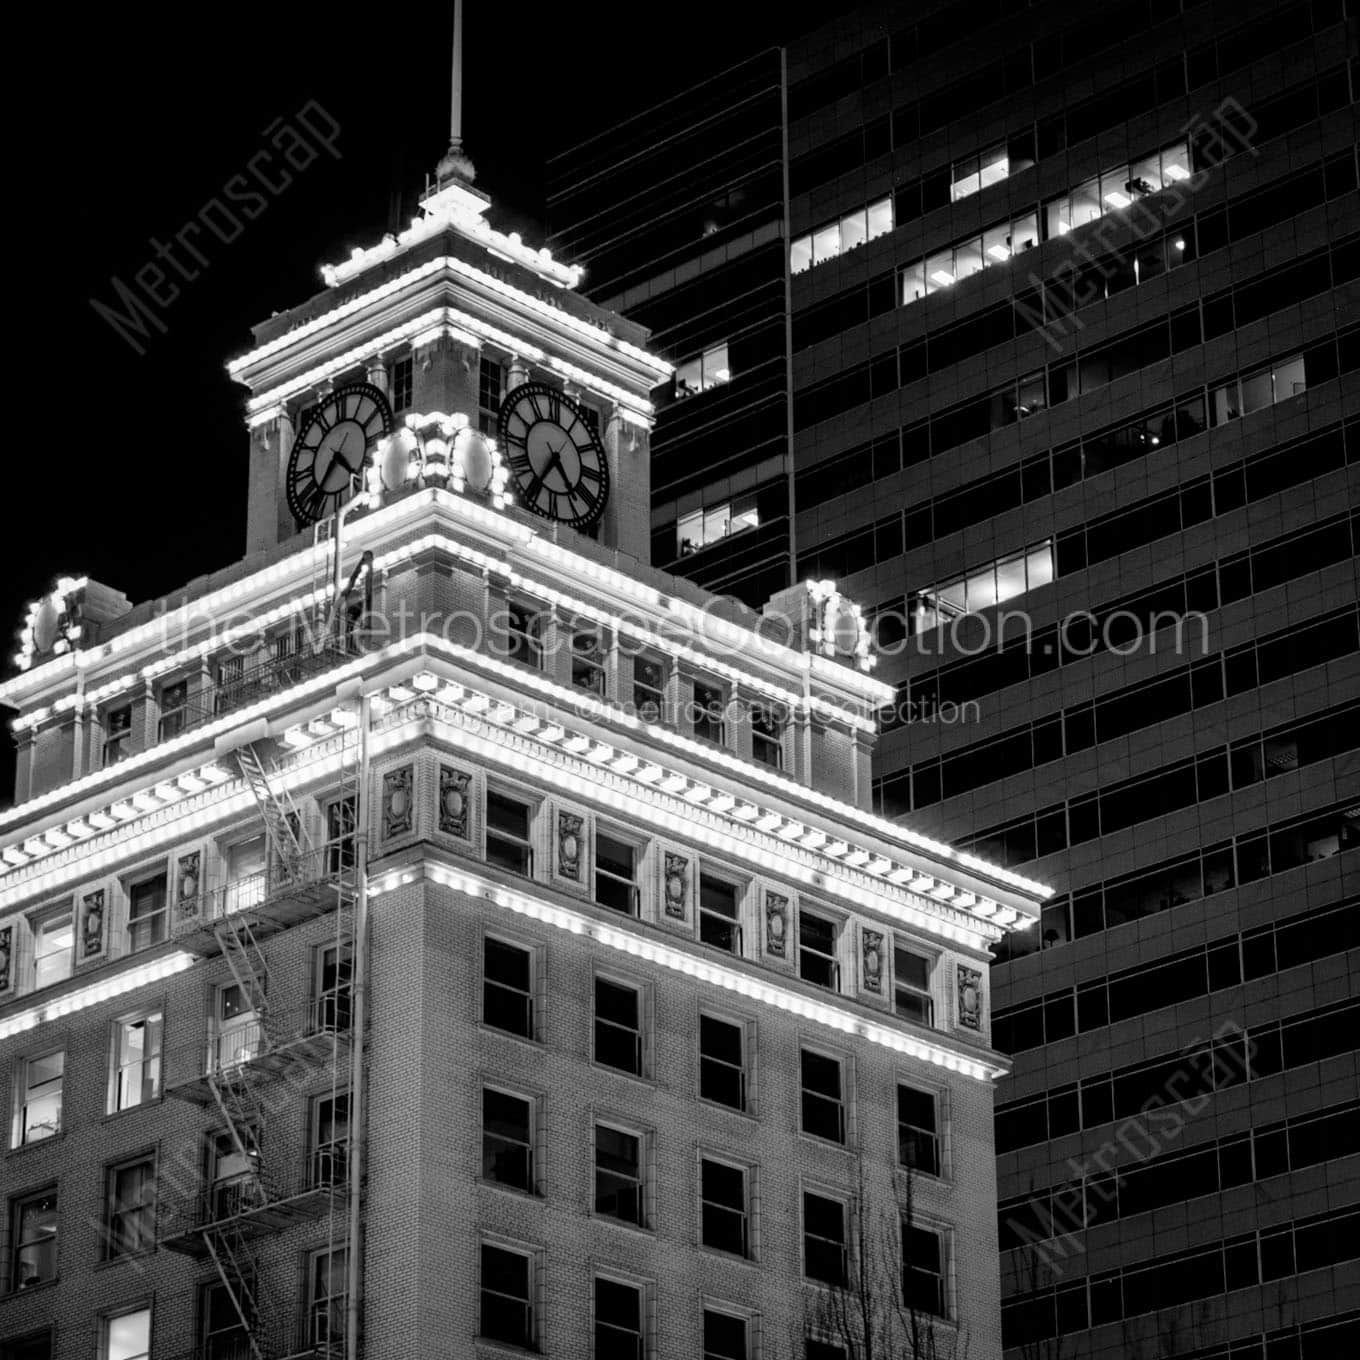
188	878
92	924
969	992
776	923
570	844
871	959
455	801
675	885
6	957
397	802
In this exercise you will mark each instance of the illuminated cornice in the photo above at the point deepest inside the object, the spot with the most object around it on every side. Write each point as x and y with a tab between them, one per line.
840	1018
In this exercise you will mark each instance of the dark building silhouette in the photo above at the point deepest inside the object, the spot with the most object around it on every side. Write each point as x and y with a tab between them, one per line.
1038	328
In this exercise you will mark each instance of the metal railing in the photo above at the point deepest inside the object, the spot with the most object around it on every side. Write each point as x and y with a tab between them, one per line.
232	1048
251	892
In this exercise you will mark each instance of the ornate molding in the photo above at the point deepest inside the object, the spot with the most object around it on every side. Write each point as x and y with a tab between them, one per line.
968	993
571	839
397	802
675	885
92	924
776	923
455	802
871	948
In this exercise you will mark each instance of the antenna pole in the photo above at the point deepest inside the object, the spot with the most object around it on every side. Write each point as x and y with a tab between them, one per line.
455	164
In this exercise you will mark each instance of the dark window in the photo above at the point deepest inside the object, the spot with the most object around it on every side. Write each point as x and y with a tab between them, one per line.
130	1209
146	913
911	986
507	988
400	375
507	1305
918	1137
709	706
767	734
823	1098
174	701
33	1234
618	1026
923	1270
524	635
330	1140
341	824
615	874
649	689
618	1174
718	923
507	1139
823	1238
588	650
817	951
722	1069
618	1320
508	823
490	380
724	1336
722	1196
117	734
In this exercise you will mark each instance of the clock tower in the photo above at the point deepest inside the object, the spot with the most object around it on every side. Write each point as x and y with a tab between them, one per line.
445	355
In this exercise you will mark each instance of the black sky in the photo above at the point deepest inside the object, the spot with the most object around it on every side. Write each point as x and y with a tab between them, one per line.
133	469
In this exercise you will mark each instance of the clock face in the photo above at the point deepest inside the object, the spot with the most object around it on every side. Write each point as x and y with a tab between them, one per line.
556	459
330	449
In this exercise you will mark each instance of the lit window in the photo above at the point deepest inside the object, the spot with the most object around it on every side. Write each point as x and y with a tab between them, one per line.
238	1034
800	255
923	1284
726	1335
136	1076
968	259
1255	391
37	1105
130	1208
913	283
817	951
507	1139
330	1140
508	833
698	374
722	1201
174	709
986	586
918	1138
699	528
524	635
507	988
618	1026
880	215
615	874
588	651
716	370
507	1298
117	734
911	986
618	1320
709	706
823	1238
939	271
327	1299
689	377
53	941
126	1336
722	1062
826	243
618	1174
33	1233
823	1098
854	229
719	926
649	689
975	173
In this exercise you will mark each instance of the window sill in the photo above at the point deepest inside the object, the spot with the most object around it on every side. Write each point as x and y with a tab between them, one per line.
531	1039
53	1141
109	1262
728	1258
487	1343
642	1229
28	1289
153	1104
641	1078
817	1140
748	1113
531	1196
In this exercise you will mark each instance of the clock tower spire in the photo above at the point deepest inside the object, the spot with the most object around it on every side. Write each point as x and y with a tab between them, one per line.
455	163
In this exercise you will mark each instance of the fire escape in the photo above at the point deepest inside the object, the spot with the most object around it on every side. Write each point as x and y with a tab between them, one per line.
251	1074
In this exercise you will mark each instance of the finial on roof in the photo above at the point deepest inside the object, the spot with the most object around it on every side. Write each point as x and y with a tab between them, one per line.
455	163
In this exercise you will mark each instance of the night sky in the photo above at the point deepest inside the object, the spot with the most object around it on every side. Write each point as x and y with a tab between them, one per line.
135	469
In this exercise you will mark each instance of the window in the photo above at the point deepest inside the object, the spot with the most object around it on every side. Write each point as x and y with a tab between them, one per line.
974	173
649	689
823	1350
767	735
224	1336
817	951
615	874
136	1076
725	1335
507	1301
334	988
400	381
588	651
247	874
117	734
35	1346
174	705
722	1207
823	1238
238	1036
127	1336
37	1113
618	1026
130	1208
722	1067
709	369
490	379
236	1185
618	1174
718	904
341	825
923	1270
618	1320
53	941
709	703
699	528
230	672
1254	391
507	1139
911	986
986	586
918	1138
823	1099
524	635
33	1233
853	229
508	824
507	988
330	1139
146	912
327	1299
